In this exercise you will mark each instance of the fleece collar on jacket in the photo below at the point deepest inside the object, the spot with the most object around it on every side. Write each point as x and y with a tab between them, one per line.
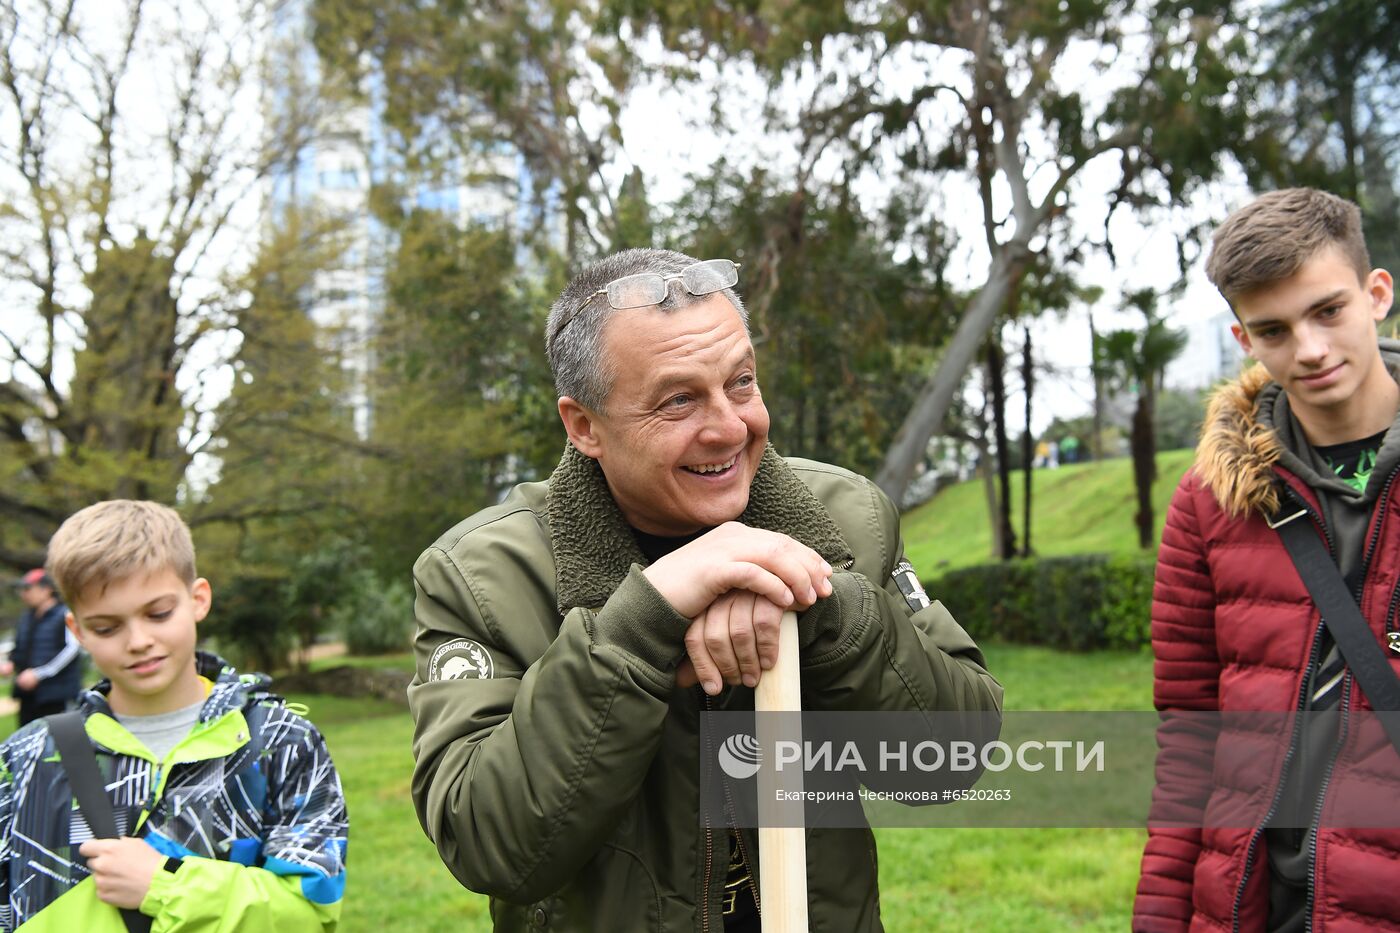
231	690
1238	451
594	547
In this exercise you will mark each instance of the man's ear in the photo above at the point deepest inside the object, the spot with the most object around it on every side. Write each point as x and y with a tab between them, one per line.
1242	338
72	624
581	425
1381	288
203	597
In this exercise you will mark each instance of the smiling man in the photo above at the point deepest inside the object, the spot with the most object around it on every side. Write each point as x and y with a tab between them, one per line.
569	638
1309	435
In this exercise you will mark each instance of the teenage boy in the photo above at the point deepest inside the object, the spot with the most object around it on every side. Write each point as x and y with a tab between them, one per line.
46	655
1313	428
228	807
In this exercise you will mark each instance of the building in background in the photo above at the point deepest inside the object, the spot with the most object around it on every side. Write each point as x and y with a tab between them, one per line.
335	175
1211	354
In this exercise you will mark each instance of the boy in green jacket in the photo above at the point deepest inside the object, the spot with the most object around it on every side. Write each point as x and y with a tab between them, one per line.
229	809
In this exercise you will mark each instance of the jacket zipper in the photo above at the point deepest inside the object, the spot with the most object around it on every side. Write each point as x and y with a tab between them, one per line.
1292	740
1322	798
752	866
1278	791
738	835
709	851
709	858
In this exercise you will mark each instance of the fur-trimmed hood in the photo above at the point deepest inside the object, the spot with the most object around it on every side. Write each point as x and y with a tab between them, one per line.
1237	453
1239	447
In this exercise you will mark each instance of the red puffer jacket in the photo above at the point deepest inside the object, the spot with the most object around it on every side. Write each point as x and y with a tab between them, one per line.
1233	628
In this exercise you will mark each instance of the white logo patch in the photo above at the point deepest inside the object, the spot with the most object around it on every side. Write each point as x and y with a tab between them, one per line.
908	582
461	659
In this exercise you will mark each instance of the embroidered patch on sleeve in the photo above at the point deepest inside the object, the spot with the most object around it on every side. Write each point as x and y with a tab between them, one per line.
461	659
908	583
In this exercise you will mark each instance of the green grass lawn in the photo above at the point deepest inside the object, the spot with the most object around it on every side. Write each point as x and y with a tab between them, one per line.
1025	879
1076	509
930	879
949	879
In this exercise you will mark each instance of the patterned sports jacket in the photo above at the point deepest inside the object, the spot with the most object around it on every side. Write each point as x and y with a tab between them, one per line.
249	799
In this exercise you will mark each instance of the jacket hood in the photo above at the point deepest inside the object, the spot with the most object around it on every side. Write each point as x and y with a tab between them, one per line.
1239	450
1237	453
594	547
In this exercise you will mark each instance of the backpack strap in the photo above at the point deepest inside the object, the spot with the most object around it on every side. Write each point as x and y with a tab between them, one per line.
1340	612
79	761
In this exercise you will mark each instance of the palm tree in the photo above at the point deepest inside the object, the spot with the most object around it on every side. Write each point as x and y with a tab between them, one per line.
1137	359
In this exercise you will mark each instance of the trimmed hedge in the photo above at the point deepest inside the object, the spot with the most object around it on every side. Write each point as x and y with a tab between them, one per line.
1080	603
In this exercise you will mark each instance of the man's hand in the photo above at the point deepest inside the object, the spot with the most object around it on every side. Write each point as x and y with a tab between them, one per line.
735	557
6	668
122	869
735	640
27	680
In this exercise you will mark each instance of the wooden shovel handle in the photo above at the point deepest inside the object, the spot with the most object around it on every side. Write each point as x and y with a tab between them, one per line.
782	880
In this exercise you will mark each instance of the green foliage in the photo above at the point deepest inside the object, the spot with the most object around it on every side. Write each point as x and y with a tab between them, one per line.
249	621
1079	603
463	84
841	327
1178	417
1001	110
271	599
462	400
127	165
1328	74
374	618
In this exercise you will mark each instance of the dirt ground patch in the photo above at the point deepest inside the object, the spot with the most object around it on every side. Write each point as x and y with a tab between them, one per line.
348	681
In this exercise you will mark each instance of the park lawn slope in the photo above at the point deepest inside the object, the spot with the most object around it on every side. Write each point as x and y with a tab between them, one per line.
1080	508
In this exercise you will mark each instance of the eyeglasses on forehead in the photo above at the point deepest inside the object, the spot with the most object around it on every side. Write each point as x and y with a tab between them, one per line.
650	288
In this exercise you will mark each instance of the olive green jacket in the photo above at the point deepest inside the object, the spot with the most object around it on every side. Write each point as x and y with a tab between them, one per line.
557	764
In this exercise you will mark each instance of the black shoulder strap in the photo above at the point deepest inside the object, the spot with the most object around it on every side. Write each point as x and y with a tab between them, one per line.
79	761
1349	629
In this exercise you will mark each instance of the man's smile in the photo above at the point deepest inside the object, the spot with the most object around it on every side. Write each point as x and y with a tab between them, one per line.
713	469
1323	378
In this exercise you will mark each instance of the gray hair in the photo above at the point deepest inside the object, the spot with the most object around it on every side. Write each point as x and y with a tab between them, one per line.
573	333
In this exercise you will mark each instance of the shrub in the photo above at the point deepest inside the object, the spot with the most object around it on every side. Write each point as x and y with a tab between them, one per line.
249	622
1081	603
373	617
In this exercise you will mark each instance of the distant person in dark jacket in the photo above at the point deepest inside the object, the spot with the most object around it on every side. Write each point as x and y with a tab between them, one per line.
46	659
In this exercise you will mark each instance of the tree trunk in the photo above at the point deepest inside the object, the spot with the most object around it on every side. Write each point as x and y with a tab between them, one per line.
931	405
1096	442
996	363
1346	117
989	486
984	470
1144	462
1027	443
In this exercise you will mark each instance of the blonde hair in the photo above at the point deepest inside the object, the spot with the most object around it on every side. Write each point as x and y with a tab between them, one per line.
1270	238
117	540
